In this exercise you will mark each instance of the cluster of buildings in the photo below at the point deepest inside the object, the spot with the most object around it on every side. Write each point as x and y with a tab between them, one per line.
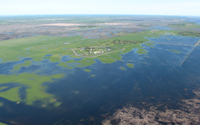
92	50
96	52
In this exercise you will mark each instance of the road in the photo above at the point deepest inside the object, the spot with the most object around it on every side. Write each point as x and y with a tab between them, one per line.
196	44
74	52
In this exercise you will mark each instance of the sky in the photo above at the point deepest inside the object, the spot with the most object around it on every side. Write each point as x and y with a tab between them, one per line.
133	7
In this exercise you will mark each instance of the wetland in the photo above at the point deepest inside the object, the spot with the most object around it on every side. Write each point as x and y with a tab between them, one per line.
93	70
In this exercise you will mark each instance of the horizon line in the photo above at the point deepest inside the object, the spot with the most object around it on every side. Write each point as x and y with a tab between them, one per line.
98	14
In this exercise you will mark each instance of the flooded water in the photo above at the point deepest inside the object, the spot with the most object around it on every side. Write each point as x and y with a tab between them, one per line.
156	78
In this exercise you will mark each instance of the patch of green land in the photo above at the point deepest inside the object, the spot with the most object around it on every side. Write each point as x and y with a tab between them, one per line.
106	59
40	46
11	94
117	47
107	51
25	64
63	64
122	68
175	51
57	104
185	25
149	44
35	91
189	33
82	63
130	65
87	70
2	123
184	33
4	87
93	75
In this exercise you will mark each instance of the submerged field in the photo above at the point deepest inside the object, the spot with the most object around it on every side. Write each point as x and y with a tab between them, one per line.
76	78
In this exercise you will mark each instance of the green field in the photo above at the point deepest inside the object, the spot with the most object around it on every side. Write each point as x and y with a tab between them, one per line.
2	123
130	65
38	46
35	91
87	70
122	68
185	25
175	51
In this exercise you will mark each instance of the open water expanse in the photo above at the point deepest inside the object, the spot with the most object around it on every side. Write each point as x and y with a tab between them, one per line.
156	78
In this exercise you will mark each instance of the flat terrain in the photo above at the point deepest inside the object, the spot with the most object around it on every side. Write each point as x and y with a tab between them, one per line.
99	70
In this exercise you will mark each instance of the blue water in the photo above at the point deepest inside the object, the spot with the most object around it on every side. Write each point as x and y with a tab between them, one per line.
67	58
172	39
48	55
108	34
157	78
5	68
28	48
160	28
195	20
111	88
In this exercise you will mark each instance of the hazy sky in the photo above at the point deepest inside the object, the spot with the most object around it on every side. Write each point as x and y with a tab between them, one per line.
144	7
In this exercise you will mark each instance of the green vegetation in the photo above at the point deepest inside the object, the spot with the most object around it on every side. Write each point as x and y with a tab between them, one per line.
57	104
122	68
93	75
125	42
89	26
107	51
175	51
1	104
2	123
35	91
189	33
130	65
11	94
149	44
87	70
63	64
25	64
3	88
106	59
39	46
81	63
140	49
185	25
